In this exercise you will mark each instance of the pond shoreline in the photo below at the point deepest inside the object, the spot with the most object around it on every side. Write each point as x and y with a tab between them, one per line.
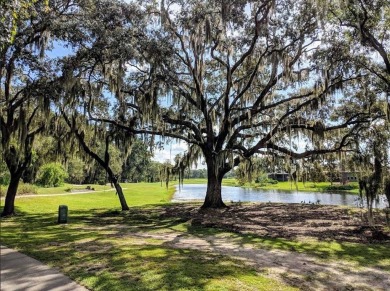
287	185
196	192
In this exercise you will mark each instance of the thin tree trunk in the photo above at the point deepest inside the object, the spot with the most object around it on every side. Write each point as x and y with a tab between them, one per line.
387	191
121	196
9	204
214	186
104	163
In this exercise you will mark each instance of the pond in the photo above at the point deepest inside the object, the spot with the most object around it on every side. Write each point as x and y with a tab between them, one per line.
190	192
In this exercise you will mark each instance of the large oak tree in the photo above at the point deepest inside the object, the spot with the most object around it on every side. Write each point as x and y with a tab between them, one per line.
238	79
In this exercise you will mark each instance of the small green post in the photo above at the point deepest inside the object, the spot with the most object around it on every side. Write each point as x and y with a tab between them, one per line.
62	214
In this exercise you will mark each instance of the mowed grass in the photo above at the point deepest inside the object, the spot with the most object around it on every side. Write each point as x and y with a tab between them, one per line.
225	182
309	187
136	194
96	249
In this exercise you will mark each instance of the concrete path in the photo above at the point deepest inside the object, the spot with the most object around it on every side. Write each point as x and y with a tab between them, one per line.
20	272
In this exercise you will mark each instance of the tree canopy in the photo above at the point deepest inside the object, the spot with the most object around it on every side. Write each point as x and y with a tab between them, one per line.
235	80
246	78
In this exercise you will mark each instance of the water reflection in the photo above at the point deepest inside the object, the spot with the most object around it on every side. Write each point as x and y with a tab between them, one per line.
190	192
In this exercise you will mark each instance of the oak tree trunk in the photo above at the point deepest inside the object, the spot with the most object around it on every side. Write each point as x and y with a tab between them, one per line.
9	204
214	185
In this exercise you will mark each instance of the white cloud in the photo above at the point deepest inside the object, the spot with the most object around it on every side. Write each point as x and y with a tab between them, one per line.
169	152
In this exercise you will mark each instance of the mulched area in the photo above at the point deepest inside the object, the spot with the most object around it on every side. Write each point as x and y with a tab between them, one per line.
289	221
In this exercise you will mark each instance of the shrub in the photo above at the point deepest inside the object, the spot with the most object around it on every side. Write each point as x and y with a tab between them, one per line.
23	189
4	178
340	187
51	175
272	181
3	190
4	174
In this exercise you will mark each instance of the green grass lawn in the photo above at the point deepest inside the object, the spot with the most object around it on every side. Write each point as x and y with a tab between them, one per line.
225	182
310	186
136	194
97	255
92	250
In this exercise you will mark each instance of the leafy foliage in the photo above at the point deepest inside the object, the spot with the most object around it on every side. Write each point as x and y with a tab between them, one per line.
4	174
52	175
137	163
76	171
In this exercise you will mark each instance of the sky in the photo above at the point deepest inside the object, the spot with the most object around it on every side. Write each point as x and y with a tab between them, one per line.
169	152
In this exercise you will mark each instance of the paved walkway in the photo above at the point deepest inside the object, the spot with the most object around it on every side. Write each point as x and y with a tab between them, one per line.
20	272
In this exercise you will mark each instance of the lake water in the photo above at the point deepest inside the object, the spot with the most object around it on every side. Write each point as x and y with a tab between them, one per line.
191	192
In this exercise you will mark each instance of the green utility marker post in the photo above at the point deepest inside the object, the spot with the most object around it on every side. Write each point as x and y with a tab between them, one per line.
62	214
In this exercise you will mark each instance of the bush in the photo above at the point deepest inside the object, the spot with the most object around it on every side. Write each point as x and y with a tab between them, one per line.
51	175
23	189
340	187
272	181
264	181
4	178
3	190
4	174
27	189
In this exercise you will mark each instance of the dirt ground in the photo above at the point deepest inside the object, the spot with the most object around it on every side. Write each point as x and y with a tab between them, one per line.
303	270
296	269
289	221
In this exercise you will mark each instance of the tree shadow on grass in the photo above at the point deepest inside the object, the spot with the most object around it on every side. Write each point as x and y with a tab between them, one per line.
97	249
101	262
157	218
170	217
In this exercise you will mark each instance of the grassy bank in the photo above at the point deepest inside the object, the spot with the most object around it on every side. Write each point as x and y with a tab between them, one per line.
352	187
